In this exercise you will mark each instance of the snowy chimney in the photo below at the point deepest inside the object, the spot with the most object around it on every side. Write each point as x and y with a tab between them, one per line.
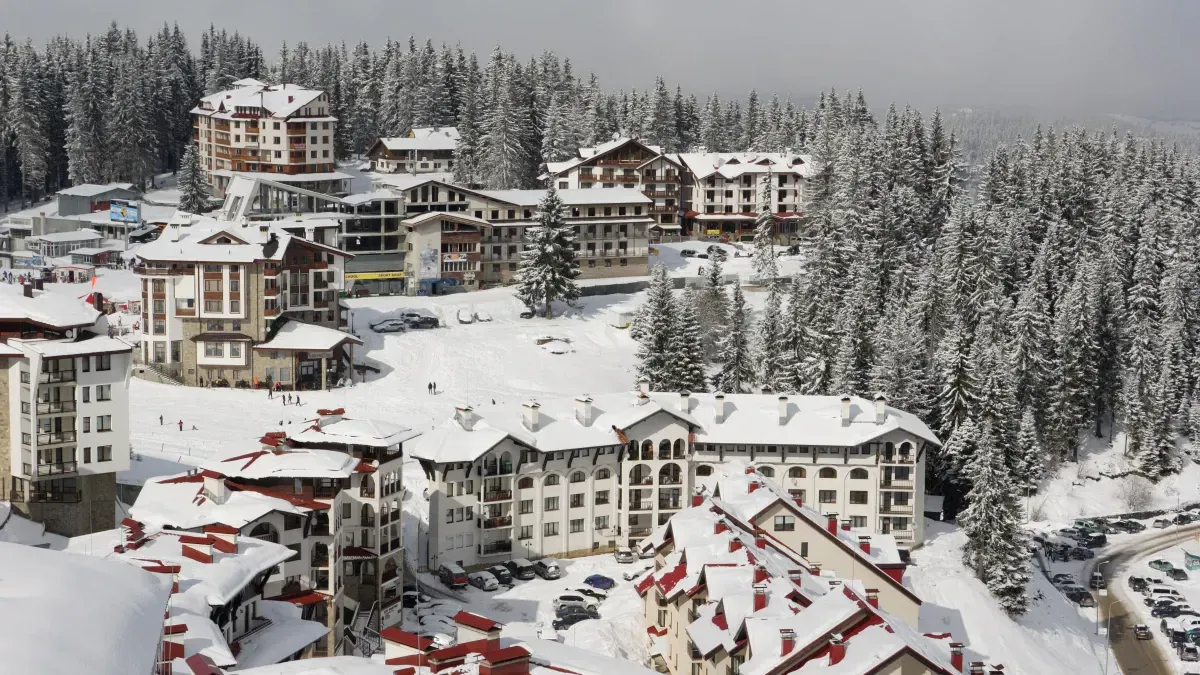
224	533
760	541
685	401
787	637
697	500
174	231
783	410
837	649
720	527
752	487
831	523
814	568
864	543
976	668
327	416
845	409
760	573
643	384
760	597
530	415
719	405
98	301
465	417
28	289
796	575
880	408
873	597
846	524
215	488
735	545
956	655
583	410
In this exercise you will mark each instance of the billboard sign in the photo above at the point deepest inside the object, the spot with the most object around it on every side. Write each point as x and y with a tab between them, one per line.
430	263
123	211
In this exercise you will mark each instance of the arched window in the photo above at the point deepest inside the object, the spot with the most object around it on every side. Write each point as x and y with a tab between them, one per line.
647	449
664	449
669	475
524	483
383	512
266	532
368	485
858	474
797	472
552	479
578	477
633	451
827	473
767	471
641	474
704	470
506	464
905	448
368	516
679	449
320	555
603	474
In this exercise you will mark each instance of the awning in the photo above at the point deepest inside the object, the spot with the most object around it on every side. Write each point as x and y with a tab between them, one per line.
301	598
667	227
363	276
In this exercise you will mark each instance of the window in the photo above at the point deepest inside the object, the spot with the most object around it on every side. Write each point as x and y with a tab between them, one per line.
785	524
827	473
601	497
577	525
104	453
827	496
214	349
212	305
103	392
525	483
858	496
552	479
104	362
87	455
704	470
291	521
858	521
578	477
858	474
550	504
526	532
235	306
212	286
797	472
577	500
767	471
449	514
104	423
86	393
87	425
235	350
798	494
525	506
549	529
603	474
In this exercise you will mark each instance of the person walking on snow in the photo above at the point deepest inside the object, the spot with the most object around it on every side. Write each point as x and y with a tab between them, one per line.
160	420
181	425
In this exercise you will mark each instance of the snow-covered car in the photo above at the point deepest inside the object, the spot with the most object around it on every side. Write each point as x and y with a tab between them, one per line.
625	555
572	600
573	615
413	598
1162	523
687	253
633	574
1062	578
484	581
502	574
590	592
390	326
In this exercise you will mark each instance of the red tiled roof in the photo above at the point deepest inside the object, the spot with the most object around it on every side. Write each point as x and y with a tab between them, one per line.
131	523
252	456
720	621
335	411
278	493
458	651
202	665
506	654
476	621
645	584
402	637
220	528
301	597
175	629
193	539
357	552
363	467
668	580
189	478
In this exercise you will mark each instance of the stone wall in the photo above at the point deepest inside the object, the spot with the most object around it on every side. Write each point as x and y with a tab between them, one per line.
94	512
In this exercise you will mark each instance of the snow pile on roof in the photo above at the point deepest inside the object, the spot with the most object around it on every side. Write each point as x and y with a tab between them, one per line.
182	502
94	189
16	529
99	344
559	657
407	181
48	309
578	197
67	237
330	665
280	100
733	164
307	337
112	614
435	132
190	238
339	429
433	142
291	463
588	154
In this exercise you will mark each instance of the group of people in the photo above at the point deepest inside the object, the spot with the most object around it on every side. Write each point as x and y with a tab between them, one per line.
432	387
288	399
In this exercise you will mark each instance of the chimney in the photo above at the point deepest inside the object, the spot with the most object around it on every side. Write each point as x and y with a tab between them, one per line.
845	409
643	384
787	637
685	401
956	656
326	416
814	568
28	288
976	668
530	415
719	405
752	487
760	597
38	284
880	408
224	533
583	410
720	527
98	301
697	500
760	541
749	470
783	410
798	500
873	597
760	573
291	98
174	227
837	649
864	543
465	417
796	575
846	524
215	488
735	545
831	523
199	552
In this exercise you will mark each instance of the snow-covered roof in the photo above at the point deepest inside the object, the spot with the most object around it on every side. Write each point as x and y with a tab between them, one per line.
114	613
734	164
59	348
93	189
407	181
297	336
181	502
91	251
55	310
330	665
567	658
586	155
293	463
373	433
195	239
433	142
67	237
574	197
435	132
281	100
16	529
367	197
458	216
751	419
285	177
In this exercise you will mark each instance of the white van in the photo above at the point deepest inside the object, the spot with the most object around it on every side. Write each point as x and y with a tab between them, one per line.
1163	592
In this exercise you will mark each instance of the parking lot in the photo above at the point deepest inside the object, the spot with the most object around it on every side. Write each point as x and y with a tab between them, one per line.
527	607
1164	587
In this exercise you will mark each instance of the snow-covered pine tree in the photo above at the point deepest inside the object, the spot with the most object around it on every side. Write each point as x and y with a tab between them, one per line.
193	189
772	358
959	449
956	379
737	374
901	367
1027	470
712	308
687	358
548	266
555	147
766	265
657	342
505	151
85	126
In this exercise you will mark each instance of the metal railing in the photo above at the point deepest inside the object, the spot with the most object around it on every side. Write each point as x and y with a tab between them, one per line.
497	495
57	468
61	496
56	376
502	470
896	459
639	531
56	437
495	547
896	483
896	509
500	521
55	407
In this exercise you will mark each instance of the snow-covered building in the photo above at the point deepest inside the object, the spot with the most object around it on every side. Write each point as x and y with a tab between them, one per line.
216	606
726	191
587	474
331	492
424	150
116	608
242	304
59	244
64	434
283	131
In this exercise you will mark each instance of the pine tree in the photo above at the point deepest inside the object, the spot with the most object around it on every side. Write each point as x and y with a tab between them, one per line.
86	150
737	375
687	357
193	189
1027	471
713	307
505	152
548	267
956	379
656	337
772	358
766	266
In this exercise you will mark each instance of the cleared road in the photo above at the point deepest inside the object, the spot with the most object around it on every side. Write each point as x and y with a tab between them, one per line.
1135	657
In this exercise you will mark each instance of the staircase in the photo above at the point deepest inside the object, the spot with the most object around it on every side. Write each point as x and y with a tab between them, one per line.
365	631
155	372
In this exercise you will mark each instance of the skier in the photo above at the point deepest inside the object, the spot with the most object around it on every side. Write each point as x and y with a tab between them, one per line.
181	425
160	420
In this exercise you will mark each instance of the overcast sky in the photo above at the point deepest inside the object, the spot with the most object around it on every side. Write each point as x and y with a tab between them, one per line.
1138	57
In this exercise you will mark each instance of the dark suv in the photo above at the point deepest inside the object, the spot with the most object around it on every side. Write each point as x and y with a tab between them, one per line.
452	576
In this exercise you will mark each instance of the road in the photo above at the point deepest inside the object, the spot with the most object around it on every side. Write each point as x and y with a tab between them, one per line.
1135	657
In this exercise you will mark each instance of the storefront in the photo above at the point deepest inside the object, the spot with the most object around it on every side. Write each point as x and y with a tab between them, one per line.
375	283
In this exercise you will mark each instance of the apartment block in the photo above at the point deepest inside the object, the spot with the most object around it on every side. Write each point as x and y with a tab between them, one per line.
569	476
282	131
424	150
725	192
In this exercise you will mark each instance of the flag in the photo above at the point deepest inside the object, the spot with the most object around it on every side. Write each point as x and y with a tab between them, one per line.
93	282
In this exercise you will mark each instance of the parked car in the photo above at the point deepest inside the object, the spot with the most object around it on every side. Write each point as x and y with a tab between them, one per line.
411	599
1142	632
1097	581
1081	598
1081	553
452	576
547	568
420	321
1161	565
527	314
1177	574
1062	578
600	581
484	581
1169	611
1162	523
572	600
633	574
702	256
625	555
687	253
389	326
573	615
1094	540
521	569
1189	653
1133	526
1138	584
590	592
1069	532
503	576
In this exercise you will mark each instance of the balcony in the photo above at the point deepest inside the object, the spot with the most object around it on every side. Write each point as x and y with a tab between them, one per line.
299	130
56	376
366	521
670	480
896	459
663	208
321	560
497	547
670	504
56	407
57	469
497	495
640	531
661	194
619	162
642	506
895	484
297	145
60	496
641	480
56	438
145	271
496	523
902	535
501	470
896	509
661	179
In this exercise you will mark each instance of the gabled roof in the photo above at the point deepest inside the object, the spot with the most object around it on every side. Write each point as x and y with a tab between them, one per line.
452	216
52	310
94	190
297	336
280	100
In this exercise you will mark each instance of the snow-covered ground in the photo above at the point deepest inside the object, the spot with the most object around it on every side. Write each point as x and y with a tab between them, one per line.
1189	589
737	261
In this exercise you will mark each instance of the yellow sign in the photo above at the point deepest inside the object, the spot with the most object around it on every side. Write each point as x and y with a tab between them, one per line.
363	276
711	233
